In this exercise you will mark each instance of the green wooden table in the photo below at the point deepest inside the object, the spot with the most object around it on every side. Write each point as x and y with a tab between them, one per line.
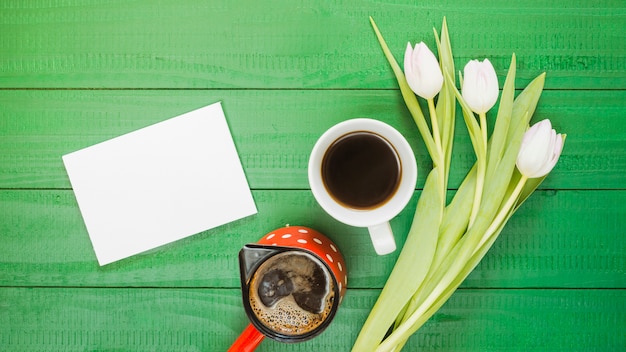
77	72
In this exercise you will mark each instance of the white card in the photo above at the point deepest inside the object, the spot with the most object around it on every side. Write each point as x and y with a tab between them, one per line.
159	184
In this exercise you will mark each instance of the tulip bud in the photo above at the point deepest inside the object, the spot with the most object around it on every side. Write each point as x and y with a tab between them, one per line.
422	71
540	150
480	86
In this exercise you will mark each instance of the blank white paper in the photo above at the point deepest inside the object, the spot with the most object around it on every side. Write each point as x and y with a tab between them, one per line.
159	184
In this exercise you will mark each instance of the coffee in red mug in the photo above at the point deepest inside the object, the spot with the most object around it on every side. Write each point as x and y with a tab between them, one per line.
293	281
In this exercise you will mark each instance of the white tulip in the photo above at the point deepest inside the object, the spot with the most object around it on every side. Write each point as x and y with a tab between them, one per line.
540	150
422	71
480	86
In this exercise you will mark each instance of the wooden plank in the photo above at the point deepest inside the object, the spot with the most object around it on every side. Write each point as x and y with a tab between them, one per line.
275	130
286	44
38	319
570	239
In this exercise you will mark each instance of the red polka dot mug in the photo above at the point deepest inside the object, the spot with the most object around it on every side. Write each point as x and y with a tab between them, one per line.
293	280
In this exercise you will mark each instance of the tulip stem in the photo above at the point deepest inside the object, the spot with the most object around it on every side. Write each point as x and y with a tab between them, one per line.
435	124
437	138
483	128
482	169
502	214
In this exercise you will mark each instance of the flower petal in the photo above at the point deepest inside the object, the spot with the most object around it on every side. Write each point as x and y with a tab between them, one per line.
491	85
422	71
540	150
408	68
480	85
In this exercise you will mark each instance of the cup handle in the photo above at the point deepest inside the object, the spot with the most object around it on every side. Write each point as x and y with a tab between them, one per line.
248	341
382	238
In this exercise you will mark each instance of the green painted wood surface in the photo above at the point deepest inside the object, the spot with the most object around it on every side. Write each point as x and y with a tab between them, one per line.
186	319
77	72
46	244
274	131
297	44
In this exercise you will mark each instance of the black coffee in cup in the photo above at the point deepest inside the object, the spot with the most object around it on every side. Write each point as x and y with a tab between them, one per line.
292	293
361	170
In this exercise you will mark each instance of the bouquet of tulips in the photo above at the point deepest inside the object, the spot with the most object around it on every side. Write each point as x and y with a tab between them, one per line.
446	241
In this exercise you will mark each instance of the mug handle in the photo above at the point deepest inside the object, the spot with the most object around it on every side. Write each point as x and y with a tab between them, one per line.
382	238
248	341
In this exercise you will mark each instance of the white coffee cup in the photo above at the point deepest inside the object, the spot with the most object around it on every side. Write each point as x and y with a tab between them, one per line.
358	144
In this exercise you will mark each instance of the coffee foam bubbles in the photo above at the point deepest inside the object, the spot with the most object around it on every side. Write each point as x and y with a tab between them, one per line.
285	316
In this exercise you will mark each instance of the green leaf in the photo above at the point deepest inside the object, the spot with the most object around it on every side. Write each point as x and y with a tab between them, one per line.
503	120
409	97
456	216
446	114
523	108
467	254
410	268
470	120
458	280
428	272
459	264
445	49
446	103
455	263
453	226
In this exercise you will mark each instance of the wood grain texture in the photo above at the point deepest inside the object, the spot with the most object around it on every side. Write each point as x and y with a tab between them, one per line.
77	72
127	319
559	239
274	131
297	44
